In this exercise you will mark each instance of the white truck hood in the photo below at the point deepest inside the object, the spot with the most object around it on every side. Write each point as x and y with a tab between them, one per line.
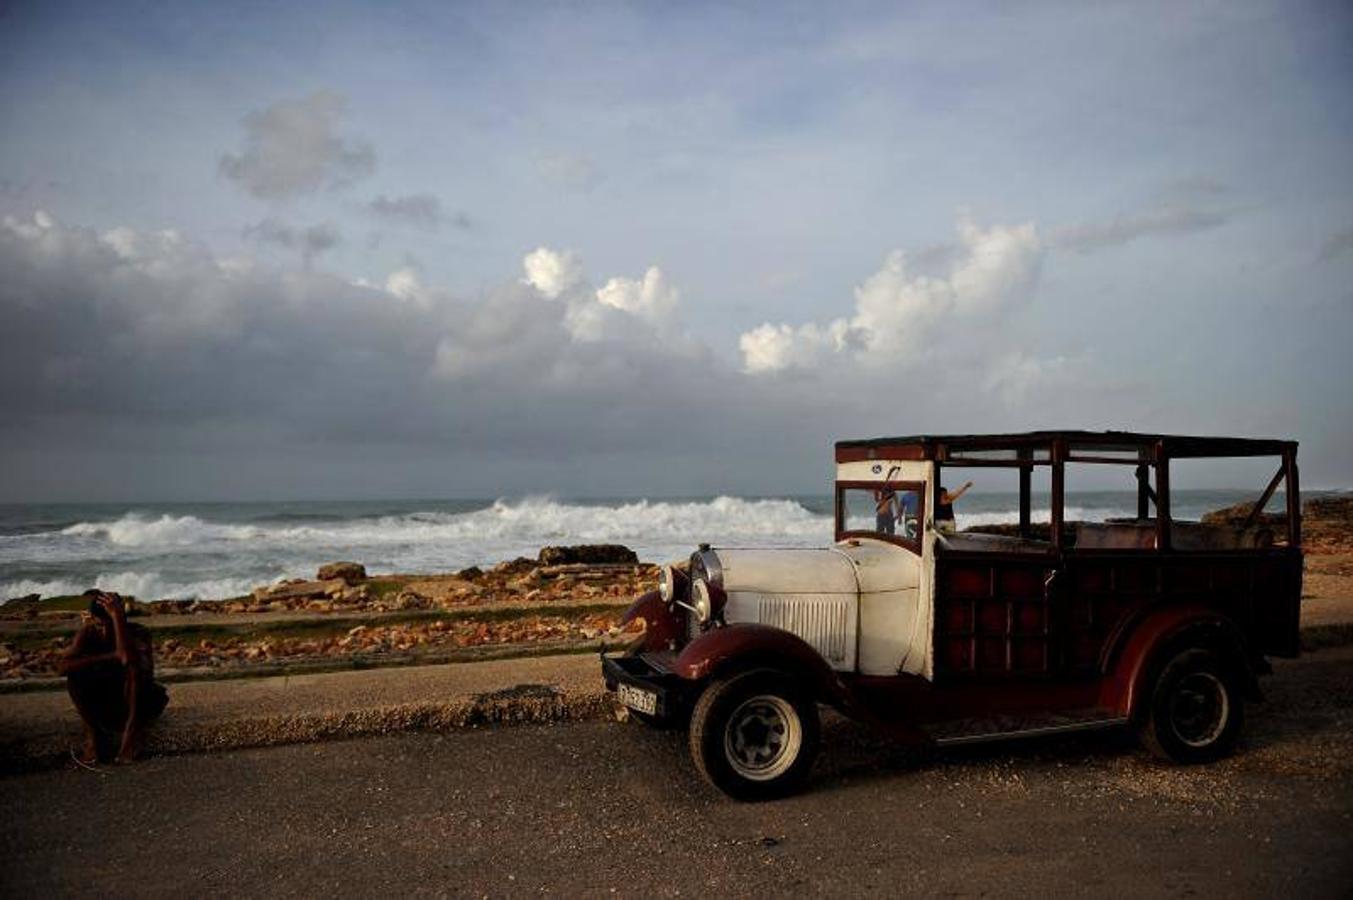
850	567
787	571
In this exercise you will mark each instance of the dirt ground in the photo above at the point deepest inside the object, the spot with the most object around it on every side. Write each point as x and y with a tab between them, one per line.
616	808
1327	590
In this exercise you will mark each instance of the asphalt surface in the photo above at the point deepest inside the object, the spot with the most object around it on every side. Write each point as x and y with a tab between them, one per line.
599	808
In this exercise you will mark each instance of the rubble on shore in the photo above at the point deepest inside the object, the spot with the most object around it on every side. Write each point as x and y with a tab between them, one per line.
517	602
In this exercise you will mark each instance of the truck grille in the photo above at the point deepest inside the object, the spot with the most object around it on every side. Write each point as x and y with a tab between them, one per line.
822	622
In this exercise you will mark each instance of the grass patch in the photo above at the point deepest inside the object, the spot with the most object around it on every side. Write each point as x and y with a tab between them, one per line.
384	588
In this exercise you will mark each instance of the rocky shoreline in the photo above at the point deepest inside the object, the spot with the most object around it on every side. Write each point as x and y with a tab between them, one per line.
566	597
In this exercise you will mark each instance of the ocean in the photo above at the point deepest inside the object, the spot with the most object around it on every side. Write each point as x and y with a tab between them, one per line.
212	551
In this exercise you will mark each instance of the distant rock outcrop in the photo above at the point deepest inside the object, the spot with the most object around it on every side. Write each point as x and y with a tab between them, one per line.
590	554
1237	514
349	572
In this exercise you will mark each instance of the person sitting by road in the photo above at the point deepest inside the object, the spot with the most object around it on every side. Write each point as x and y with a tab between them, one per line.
885	510
110	675
944	509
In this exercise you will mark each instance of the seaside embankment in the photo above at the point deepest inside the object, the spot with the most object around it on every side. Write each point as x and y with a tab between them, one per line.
347	655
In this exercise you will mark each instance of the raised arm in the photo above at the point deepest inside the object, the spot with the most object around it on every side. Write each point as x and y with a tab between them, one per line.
952	496
79	656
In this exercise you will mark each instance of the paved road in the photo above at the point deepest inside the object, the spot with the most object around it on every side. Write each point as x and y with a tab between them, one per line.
599	808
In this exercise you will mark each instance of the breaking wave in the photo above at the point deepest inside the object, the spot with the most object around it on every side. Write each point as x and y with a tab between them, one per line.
192	556
531	519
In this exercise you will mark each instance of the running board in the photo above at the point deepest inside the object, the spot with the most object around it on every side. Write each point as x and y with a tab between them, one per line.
1037	731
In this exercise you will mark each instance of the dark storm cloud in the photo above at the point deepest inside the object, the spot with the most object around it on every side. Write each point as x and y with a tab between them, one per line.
294	147
124	342
310	241
151	338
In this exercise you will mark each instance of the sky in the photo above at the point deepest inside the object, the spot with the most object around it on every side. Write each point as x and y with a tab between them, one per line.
432	250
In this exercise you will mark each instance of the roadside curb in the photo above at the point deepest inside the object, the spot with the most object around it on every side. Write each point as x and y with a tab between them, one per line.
38	730
533	705
565	689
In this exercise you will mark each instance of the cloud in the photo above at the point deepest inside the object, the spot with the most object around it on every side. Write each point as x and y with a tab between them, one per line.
636	310
577	173
1088	237
652	297
552	272
311	241
1338	244
142	357
897	309
151	333
774	348
419	210
293	147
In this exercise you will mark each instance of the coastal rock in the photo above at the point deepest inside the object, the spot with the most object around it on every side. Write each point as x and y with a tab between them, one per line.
519	566
1238	513
298	590
587	553
412	600
348	572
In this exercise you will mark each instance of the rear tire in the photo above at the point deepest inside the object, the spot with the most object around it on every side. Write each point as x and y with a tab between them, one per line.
754	735
1196	709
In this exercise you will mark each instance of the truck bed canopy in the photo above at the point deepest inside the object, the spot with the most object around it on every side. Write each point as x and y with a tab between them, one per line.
1036	447
1148	452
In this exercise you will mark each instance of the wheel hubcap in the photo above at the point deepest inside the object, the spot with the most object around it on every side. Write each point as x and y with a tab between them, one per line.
763	737
1199	709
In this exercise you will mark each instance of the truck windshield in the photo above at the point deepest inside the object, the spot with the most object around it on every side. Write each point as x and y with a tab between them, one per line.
891	510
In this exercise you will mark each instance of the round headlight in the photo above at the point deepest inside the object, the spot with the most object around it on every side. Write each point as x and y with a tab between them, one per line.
701	600
666	584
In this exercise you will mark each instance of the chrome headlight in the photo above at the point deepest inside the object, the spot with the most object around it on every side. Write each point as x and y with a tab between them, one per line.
700	599
667	584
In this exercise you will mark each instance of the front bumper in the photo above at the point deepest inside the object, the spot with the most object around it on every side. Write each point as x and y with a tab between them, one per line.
675	695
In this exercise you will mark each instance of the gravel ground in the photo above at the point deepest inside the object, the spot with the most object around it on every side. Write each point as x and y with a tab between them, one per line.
601	808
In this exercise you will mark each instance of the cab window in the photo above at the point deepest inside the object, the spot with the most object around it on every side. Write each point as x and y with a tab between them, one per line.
892	511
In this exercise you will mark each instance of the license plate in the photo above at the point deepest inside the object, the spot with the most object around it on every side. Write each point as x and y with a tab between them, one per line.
640	700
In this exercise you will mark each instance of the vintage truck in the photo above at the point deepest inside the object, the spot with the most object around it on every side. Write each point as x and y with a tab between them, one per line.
952	637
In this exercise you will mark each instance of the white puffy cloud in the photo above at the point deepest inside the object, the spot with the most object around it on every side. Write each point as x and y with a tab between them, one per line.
772	348
293	147
552	272
896	309
405	284
651	297
636	310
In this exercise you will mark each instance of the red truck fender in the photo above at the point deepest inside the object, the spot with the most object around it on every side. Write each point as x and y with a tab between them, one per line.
1134	658
662	625
749	645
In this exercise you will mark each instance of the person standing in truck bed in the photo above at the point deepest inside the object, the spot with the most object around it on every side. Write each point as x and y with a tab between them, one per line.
944	509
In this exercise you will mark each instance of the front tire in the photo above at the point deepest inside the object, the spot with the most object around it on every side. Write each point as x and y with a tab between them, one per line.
1196	709
754	735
